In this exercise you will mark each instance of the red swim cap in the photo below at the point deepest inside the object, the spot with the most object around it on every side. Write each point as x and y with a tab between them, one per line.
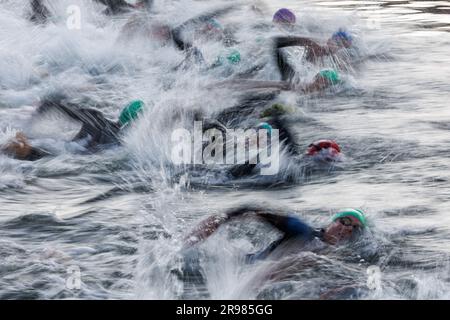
317	146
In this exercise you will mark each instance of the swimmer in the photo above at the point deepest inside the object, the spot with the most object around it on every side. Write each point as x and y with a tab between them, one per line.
324	151
345	226
96	131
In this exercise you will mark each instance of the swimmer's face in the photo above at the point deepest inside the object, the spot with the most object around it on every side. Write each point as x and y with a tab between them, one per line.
341	230
320	82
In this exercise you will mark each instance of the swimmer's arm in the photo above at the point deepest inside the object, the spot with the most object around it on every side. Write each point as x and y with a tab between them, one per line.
283	42
70	111
288	225
210	225
86	116
313	49
93	121
250	258
285	68
285	224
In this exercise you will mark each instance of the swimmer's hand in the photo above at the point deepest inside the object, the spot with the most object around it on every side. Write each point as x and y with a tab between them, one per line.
206	228
18	147
210	225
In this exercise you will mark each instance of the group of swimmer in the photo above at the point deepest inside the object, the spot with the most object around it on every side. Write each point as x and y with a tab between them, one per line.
98	132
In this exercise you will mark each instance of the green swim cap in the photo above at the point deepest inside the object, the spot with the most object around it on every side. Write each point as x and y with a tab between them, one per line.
330	75
234	57
131	112
356	213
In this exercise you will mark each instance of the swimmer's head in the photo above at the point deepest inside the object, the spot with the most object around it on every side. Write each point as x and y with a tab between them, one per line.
234	57
327	78
284	17
131	112
325	150
346	225
340	39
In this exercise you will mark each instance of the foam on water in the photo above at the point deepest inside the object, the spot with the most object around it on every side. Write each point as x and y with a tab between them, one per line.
121	215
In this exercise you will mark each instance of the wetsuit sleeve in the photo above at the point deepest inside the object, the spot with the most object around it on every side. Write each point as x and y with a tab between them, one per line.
286	70
252	257
283	42
86	116
93	121
290	226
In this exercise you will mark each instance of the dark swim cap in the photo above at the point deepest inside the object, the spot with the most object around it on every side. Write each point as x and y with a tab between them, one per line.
284	16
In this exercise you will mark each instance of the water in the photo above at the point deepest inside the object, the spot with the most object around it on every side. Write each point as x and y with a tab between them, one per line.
120	216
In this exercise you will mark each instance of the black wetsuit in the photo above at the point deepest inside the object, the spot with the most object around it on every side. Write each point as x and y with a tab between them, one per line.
246	107
313	51
99	131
